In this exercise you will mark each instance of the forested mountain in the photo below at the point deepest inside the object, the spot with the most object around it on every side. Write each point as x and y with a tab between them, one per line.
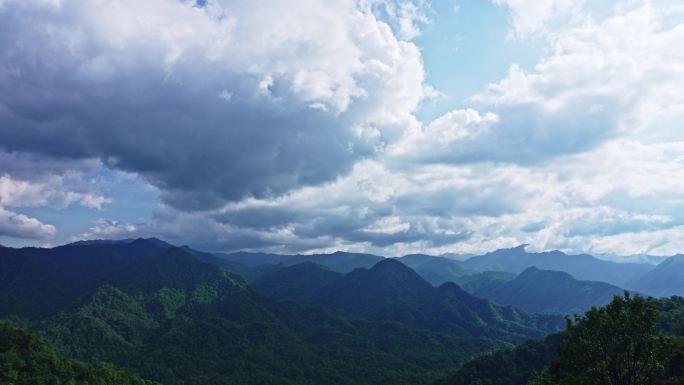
583	267
26	360
545	291
300	282
177	316
436	270
37	282
390	291
637	335
163	313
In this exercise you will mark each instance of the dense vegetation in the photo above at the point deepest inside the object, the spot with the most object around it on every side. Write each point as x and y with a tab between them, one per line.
631	341
26	360
177	316
173	318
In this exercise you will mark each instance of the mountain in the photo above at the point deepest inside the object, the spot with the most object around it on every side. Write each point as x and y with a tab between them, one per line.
391	291
545	291
583	266
168	315
340	261
436	270
517	365
36	282
475	282
665	280
27	360
300	282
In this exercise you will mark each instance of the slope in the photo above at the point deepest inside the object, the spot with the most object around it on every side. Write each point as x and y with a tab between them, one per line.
583	266
545	291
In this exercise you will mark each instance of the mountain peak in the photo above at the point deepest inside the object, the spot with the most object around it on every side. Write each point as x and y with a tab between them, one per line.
394	266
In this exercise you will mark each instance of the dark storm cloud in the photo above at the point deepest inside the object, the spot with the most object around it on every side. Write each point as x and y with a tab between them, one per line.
206	130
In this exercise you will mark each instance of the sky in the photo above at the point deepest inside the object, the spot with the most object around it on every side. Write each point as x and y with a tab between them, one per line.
383	126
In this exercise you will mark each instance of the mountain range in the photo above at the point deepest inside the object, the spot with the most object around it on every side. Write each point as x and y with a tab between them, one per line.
545	291
180	316
162	312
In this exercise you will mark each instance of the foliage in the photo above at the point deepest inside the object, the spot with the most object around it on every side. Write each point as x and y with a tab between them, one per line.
633	340
26	360
613	345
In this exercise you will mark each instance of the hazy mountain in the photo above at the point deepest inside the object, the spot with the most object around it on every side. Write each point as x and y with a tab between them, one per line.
391	291
545	291
436	270
583	266
475	282
665	280
339	261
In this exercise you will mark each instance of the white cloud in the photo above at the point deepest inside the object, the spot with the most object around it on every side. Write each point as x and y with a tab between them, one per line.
623	66
581	152
49	191
109	229
22	226
533	16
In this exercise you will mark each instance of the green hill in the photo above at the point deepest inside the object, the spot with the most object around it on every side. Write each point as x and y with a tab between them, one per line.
26	360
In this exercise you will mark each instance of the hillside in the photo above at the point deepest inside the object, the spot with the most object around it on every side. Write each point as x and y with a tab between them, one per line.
436	270
520	364
27	360
165	314
544	291
665	280
391	291
583	266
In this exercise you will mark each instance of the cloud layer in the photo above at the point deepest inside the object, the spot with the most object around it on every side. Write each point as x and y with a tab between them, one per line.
292	127
212	104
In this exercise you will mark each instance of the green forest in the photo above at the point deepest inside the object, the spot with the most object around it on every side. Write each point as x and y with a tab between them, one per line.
170	316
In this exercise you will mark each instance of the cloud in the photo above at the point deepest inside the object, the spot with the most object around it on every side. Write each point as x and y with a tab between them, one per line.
50	191
143	87
290	128
621	70
529	17
21	226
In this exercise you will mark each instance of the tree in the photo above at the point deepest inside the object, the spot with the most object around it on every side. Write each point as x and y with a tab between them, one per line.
614	345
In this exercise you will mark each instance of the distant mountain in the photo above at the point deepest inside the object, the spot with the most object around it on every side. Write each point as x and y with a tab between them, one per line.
583	266
473	283
545	291
665	280
391	291
436	270
340	261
